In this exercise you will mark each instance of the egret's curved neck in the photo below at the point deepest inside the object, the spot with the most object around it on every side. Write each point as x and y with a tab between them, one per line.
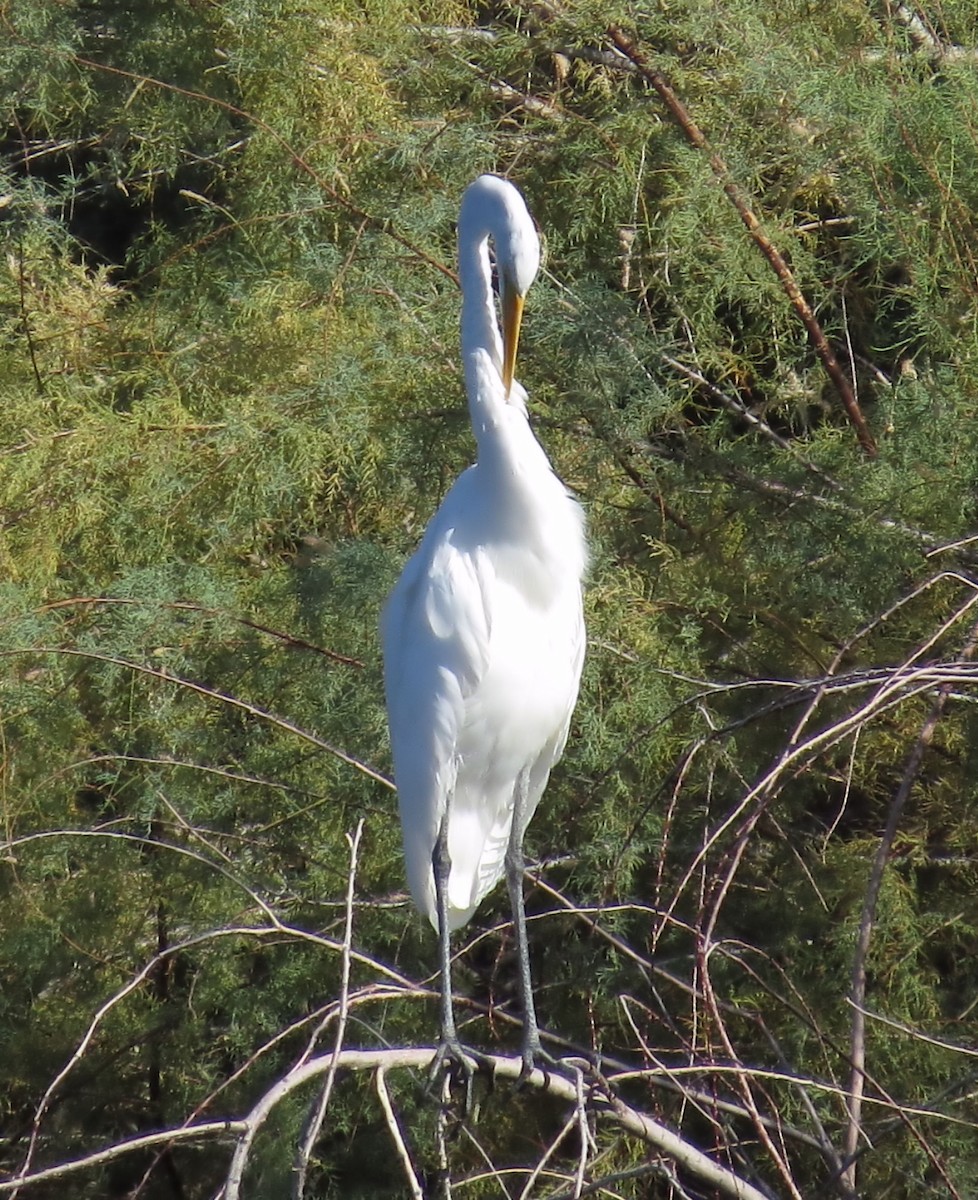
479	326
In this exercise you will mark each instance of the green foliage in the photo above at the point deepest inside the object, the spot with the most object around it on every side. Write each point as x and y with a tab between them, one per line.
229	402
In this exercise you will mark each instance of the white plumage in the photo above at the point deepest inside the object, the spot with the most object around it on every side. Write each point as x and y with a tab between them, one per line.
483	634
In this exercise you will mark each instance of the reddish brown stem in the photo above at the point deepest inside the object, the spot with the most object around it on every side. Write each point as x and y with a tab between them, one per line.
696	137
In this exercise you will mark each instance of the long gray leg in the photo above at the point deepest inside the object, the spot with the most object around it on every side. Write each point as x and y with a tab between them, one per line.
449	1047
514	879
442	865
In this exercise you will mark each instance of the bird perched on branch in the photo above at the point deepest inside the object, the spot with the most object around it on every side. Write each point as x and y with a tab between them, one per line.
483	634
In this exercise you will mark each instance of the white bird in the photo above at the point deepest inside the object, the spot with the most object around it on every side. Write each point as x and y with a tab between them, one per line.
483	634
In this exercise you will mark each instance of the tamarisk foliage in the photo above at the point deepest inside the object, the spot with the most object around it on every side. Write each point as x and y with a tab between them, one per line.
230	400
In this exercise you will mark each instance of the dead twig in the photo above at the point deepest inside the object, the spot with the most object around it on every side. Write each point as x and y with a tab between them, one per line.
318	1114
744	1078
390	1117
857	993
335	195
278	635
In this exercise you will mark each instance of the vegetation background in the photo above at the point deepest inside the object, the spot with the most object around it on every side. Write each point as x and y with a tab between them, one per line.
229	401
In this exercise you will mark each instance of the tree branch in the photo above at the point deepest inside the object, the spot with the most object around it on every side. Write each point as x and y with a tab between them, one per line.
602	1100
695	136
165	1139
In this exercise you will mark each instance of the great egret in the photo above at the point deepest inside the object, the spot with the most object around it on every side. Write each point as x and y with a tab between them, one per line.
483	634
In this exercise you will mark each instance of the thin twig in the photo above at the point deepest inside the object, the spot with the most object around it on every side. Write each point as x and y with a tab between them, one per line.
548	1154
318	1114
739	409
896	688
25	319
213	694
395	1131
24	1175
857	994
919	1036
743	1075
187	606
380	224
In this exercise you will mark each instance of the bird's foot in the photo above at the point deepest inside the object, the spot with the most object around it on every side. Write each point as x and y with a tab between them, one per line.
453	1067
536	1058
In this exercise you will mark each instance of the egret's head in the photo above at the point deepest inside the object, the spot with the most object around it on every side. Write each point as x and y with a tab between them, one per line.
492	207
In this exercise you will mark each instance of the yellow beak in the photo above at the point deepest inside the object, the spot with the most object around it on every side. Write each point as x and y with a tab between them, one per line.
512	312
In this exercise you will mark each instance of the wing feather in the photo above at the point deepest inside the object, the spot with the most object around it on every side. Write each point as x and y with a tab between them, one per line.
436	629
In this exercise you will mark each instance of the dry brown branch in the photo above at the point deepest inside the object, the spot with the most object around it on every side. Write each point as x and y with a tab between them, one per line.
678	1079
602	1100
745	1078
695	136
402	988
899	685
24	1174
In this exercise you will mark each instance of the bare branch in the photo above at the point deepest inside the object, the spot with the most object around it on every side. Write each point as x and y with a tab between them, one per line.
857	994
318	1114
739	409
744	1077
218	1130
919	1035
279	635
602	1100
395	1131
